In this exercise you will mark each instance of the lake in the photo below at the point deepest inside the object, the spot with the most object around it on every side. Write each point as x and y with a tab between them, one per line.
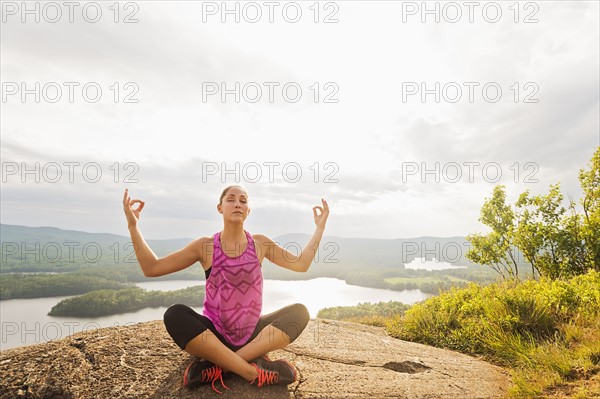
434	264
25	321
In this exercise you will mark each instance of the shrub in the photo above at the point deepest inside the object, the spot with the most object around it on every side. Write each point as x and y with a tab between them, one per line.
549	327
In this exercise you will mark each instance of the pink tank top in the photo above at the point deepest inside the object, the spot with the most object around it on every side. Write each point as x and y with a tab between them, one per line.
233	299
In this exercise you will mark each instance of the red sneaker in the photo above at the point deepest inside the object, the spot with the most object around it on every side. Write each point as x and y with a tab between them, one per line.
264	357
278	372
201	372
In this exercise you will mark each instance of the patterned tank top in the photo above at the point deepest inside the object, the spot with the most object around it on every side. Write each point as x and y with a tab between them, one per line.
233	298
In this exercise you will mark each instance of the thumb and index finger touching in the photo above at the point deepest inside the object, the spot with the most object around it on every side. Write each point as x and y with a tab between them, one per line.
128	202
323	209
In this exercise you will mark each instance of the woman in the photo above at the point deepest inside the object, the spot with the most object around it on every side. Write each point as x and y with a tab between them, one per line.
231	334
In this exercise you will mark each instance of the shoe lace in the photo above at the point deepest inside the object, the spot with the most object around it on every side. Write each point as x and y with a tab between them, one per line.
265	376
213	374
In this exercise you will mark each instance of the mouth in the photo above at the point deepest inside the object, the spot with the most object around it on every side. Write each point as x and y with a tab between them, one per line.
238	212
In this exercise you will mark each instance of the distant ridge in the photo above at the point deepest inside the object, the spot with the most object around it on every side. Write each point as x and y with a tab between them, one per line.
288	237
335	253
14	229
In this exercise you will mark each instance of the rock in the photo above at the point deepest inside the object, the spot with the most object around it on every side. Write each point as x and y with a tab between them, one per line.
334	360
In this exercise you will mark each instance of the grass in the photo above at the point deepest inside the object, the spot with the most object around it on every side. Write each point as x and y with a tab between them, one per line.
546	333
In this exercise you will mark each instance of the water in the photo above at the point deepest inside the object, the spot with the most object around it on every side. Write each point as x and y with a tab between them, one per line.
30	273
421	263
25	321
169	285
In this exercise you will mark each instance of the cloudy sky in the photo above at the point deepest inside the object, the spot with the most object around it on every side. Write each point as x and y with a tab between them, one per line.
402	118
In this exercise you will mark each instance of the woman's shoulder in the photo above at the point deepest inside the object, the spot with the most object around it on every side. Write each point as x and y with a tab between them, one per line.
205	248
205	244
263	241
205	239
260	245
261	236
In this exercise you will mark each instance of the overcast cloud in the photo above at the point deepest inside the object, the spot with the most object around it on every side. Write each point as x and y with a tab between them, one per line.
370	145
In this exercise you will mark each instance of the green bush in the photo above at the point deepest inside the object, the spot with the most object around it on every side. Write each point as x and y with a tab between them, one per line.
549	330
385	309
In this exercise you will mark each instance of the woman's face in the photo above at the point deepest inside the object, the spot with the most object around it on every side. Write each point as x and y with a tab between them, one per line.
234	205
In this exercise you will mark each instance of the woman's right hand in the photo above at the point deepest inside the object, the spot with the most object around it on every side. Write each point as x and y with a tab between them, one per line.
133	215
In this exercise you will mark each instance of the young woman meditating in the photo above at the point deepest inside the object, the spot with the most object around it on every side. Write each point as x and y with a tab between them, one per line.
231	334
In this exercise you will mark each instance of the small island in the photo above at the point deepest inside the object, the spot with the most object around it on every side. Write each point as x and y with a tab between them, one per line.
115	301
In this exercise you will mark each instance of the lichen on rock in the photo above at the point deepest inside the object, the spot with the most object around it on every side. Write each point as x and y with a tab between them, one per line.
334	360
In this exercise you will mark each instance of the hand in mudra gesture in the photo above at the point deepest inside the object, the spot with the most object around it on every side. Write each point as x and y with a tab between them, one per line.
321	219
133	215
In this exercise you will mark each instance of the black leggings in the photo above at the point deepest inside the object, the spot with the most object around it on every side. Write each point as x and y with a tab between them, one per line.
183	323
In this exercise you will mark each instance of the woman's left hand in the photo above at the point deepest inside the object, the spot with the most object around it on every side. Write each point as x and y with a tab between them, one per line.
321	219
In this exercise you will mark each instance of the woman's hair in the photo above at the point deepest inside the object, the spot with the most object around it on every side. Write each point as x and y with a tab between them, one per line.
227	189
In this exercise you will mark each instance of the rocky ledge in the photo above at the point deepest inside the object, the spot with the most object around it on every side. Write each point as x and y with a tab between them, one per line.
334	360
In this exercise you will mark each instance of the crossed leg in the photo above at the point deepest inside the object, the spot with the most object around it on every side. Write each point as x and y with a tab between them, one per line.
207	346
196	335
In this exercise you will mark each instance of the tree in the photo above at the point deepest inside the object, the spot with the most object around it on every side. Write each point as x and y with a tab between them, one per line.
590	228
540	234
556	243
494	249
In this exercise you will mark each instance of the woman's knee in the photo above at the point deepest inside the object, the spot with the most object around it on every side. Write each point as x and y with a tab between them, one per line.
297	321
174	314
302	314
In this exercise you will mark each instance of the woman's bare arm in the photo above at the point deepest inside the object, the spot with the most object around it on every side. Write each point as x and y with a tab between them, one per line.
151	265
284	258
